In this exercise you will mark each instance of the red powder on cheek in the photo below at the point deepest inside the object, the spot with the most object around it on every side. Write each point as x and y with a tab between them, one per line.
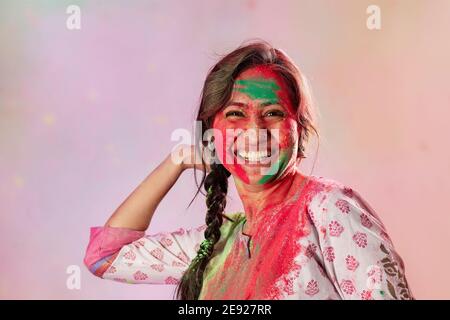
239	170
224	154
287	134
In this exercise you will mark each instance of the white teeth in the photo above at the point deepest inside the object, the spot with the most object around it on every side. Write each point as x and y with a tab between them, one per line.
253	155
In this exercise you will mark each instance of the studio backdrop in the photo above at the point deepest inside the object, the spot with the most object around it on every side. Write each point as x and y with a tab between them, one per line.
92	91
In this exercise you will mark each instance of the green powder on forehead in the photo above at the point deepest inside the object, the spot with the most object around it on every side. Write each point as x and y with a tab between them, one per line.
258	88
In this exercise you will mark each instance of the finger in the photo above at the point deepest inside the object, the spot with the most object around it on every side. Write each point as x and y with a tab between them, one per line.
205	155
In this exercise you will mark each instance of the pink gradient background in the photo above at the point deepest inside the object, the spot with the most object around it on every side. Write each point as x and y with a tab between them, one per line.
85	115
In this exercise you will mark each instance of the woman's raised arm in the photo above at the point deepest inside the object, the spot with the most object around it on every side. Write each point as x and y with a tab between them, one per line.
138	208
125	229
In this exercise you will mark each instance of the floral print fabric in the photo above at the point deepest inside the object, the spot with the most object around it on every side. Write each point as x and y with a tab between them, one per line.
342	252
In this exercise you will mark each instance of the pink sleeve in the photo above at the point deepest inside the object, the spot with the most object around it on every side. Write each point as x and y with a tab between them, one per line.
105	242
130	256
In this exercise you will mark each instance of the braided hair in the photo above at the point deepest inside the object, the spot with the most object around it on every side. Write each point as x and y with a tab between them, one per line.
216	185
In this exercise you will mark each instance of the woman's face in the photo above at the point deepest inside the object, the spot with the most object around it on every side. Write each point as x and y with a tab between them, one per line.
256	134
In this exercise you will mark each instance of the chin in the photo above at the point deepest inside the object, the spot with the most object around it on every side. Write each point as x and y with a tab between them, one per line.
255	177
254	172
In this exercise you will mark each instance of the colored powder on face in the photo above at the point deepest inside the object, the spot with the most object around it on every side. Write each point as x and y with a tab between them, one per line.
263	88
241	174
275	170
259	88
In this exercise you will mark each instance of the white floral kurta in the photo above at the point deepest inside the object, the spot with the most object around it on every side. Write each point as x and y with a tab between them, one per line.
339	249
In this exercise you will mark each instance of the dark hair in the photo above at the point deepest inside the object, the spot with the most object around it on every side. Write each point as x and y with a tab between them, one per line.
216	93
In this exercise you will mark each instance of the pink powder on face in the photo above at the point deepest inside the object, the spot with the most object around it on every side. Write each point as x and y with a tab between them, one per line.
288	127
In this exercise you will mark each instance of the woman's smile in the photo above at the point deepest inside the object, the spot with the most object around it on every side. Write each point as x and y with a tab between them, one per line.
253	156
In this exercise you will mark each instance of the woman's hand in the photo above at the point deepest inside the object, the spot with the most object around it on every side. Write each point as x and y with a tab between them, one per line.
188	157
137	209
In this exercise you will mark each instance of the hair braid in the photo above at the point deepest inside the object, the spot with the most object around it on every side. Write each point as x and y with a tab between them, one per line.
216	185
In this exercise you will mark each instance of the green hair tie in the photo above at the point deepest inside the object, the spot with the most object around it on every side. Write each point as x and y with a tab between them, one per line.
206	243
205	249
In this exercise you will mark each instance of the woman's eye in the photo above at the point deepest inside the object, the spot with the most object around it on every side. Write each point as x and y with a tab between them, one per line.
274	113
234	113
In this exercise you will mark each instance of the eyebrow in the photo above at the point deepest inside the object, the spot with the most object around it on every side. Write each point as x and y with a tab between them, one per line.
262	104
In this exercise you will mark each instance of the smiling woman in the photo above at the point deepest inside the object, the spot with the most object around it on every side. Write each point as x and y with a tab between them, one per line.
299	237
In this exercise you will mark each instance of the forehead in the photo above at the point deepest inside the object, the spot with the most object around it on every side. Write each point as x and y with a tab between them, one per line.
261	71
260	83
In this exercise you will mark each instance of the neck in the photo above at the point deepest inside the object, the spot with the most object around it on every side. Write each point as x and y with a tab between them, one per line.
259	198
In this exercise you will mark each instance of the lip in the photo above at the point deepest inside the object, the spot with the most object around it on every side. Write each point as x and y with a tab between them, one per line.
267	161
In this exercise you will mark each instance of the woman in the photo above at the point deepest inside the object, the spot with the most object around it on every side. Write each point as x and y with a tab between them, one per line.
299	237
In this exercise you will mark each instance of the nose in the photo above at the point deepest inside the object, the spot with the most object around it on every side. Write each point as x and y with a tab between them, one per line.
256	122
255	134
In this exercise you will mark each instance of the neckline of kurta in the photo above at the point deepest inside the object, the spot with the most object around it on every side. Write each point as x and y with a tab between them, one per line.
297	195
243	218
